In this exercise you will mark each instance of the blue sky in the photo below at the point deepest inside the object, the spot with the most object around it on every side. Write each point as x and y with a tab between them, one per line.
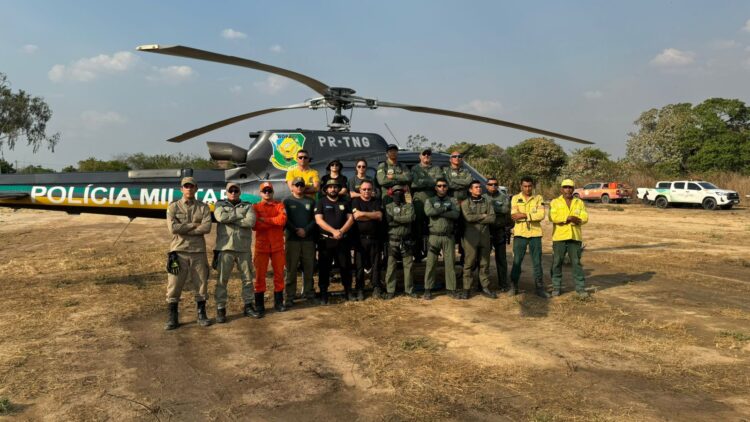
583	68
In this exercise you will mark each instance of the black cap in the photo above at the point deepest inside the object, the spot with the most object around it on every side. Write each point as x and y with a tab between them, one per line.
427	150
392	146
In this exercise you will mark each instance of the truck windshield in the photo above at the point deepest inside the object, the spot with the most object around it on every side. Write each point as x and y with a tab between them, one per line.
707	185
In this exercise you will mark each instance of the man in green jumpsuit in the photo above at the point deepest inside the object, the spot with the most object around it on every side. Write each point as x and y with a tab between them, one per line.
300	242
391	173
501	204
400	215
443	211
424	176
479	214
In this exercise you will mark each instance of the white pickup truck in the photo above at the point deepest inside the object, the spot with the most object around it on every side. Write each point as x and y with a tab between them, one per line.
692	192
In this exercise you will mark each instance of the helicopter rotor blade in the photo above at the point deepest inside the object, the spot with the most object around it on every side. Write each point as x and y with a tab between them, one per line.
421	109
213	126
194	53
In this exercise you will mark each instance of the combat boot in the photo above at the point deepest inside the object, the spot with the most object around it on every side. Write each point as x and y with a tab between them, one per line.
513	290
540	290
203	320
427	294
249	311
583	294
360	295
324	298
556	292
464	294
221	315
489	293
278	301
260	306
172	321
377	293
389	295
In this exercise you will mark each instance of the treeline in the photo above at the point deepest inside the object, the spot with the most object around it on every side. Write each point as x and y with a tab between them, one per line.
137	161
708	141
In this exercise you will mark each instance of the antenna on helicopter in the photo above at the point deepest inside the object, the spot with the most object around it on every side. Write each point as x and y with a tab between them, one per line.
391	132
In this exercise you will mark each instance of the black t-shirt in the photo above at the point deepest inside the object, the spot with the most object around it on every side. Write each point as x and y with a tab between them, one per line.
369	227
334	213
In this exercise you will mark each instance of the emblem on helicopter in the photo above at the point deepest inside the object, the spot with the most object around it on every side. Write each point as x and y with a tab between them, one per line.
285	147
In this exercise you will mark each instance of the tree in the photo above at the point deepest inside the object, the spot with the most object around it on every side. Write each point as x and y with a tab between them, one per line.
662	140
540	158
23	116
69	169
93	164
32	169
142	161
588	164
6	167
721	140
418	143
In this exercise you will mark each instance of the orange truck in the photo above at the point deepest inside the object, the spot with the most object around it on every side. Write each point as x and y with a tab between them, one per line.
606	192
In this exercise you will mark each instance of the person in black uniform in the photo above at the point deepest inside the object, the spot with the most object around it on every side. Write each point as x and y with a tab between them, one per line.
335	169
333	215
368	217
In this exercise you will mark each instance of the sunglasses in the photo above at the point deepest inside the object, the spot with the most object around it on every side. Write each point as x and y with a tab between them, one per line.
299	185
491	184
233	191
457	156
188	186
567	187
426	154
302	157
361	167
442	186
267	191
335	165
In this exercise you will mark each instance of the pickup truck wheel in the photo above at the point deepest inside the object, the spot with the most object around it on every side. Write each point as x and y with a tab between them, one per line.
605	199
709	204
661	202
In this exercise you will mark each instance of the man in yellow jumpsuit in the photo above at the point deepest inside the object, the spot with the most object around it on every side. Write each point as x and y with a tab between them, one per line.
567	215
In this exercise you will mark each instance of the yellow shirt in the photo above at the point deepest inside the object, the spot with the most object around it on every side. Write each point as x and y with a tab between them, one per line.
310	175
533	207
559	213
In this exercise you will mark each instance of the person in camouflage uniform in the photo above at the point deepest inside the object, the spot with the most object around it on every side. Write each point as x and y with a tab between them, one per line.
424	176
391	173
458	177
189	220
478	214
501	204
234	236
443	211
400	215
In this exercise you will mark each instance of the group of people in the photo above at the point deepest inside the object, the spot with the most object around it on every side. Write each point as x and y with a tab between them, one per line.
401	215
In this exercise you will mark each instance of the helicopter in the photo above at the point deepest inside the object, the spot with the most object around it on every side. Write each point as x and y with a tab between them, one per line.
147	193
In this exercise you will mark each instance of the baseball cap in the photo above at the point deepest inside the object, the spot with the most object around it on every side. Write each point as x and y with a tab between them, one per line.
233	185
333	182
298	180
266	185
392	146
568	182
397	187
427	150
188	180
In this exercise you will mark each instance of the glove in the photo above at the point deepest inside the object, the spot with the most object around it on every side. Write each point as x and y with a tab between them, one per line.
173	266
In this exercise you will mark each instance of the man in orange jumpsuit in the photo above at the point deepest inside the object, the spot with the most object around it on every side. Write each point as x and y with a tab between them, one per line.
269	244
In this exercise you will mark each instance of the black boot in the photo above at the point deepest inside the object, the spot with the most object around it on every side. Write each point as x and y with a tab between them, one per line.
221	315
349	294
260	306
540	290
513	289
464	294
360	295
278	301
172	321
489	293
249	311
203	320
427	294
324	297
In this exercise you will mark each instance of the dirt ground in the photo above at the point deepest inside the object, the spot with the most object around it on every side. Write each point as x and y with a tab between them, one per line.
666	335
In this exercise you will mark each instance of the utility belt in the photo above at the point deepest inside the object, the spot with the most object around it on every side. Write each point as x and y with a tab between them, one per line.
446	234
400	246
